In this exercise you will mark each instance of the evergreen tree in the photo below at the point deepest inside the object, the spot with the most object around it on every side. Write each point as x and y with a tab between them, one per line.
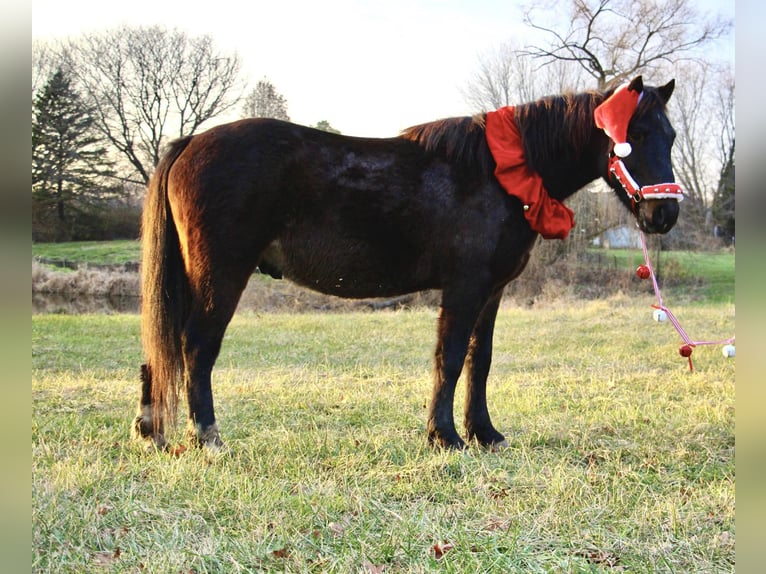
69	163
723	201
325	126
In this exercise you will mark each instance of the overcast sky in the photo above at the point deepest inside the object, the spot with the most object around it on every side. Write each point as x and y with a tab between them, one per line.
370	68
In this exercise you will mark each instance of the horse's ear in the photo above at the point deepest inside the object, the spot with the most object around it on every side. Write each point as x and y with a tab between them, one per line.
667	90
637	85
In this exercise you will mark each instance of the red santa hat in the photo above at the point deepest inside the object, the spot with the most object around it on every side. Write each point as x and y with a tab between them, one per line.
613	115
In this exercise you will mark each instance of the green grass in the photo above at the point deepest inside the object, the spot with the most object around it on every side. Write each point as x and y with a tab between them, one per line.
95	252
620	459
708	276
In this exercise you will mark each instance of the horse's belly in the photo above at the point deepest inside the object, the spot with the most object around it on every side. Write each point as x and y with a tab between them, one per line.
347	268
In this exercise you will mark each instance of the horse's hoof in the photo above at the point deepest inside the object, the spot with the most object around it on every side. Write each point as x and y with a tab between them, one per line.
437	440
212	443
153	443
208	438
156	444
487	438
215	448
143	430
497	446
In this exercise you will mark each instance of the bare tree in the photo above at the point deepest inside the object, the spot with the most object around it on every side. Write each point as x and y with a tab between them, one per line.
506	76
264	101
723	208
609	41
613	40
724	105
147	84
503	78
703	115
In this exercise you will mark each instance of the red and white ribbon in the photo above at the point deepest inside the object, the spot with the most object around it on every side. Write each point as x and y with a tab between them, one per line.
689	343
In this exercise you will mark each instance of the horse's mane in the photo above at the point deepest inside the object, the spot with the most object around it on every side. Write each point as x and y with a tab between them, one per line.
553	129
460	140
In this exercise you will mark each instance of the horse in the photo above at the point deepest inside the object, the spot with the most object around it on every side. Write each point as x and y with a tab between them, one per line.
368	217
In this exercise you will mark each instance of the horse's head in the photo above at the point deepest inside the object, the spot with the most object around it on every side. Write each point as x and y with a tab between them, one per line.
639	167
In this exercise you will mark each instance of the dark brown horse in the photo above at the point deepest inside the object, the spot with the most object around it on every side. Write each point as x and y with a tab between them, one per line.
360	217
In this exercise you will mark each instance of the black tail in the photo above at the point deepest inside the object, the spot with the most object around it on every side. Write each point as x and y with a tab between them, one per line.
164	291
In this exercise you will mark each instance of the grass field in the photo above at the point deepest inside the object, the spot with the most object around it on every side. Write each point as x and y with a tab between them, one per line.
709	273
619	458
99	252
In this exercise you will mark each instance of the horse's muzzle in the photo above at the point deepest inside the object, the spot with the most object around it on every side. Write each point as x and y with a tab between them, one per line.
658	216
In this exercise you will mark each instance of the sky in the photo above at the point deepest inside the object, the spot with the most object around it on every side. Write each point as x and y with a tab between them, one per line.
369	68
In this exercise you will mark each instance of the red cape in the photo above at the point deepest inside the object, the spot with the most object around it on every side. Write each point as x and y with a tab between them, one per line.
549	217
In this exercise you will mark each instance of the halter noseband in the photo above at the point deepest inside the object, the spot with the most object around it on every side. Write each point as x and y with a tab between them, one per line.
635	193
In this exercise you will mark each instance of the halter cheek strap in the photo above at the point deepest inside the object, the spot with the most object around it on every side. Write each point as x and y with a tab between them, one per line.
636	193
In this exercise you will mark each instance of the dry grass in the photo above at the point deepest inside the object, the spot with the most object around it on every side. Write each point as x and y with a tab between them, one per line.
619	458
89	282
552	274
538	284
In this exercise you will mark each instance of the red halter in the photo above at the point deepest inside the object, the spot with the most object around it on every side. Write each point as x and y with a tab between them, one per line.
635	193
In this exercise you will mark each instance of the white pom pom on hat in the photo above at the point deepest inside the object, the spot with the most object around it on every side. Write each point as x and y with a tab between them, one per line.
613	116
622	149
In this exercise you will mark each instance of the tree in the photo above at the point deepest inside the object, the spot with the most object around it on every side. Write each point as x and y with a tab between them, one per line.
613	40
603	42
703	154
325	126
70	166
147	84
265	102
723	201
506	76
44	64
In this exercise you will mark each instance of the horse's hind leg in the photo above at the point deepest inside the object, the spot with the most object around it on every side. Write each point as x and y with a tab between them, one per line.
477	422
201	343
144	423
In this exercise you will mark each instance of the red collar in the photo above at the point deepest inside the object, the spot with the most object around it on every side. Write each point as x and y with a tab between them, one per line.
547	216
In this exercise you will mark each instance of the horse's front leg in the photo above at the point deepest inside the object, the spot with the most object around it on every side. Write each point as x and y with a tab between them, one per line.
455	325
477	422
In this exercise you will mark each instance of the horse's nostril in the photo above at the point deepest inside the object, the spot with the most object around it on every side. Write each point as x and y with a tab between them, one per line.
664	216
